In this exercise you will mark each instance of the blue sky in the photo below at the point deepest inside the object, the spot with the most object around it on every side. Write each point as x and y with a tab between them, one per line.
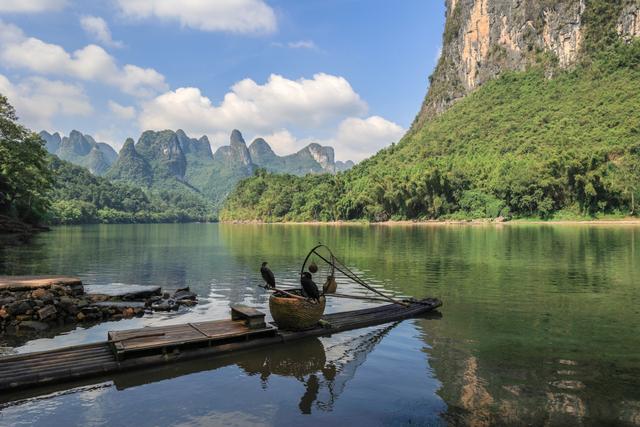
350	73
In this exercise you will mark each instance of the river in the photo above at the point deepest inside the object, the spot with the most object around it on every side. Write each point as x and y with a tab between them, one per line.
540	325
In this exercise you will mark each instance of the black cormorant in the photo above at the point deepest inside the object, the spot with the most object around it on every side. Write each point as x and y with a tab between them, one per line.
309	286
268	276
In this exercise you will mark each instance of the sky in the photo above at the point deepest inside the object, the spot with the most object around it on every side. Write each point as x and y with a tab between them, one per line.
347	73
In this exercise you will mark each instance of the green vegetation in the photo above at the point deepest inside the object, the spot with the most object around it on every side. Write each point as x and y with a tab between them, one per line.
522	145
24	176
80	198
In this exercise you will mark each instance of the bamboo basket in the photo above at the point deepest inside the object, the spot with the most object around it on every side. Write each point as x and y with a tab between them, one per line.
294	314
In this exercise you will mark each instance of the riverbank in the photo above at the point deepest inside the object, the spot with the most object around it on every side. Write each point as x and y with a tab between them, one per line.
621	221
12	226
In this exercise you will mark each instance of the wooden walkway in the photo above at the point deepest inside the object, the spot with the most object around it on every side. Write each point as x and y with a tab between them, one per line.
141	348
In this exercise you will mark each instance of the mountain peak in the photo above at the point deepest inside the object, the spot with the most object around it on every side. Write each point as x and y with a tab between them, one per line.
236	138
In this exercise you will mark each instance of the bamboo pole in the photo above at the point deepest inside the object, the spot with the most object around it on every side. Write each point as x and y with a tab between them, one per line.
351	275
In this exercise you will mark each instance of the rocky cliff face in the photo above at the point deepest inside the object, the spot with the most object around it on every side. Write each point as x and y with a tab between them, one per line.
629	22
131	166
483	38
163	151
82	150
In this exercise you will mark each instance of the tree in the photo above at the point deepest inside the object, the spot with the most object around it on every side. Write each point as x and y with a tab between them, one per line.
25	179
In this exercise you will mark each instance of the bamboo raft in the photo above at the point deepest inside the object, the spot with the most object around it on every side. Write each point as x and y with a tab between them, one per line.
153	346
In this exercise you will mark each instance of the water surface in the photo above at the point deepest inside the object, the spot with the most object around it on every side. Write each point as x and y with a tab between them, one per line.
541	325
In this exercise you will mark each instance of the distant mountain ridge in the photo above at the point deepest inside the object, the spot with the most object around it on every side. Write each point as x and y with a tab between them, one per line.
82	150
172	160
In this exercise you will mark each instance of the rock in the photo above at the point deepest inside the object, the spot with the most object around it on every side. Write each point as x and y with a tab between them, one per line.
39	293
69	305
47	313
3	314
122	291
4	301
18	307
33	325
166	295
48	298
23	317
165	305
116	317
128	313
188	302
184	295
80	316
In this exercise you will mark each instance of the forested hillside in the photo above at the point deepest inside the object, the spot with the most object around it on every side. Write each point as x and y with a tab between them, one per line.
548	140
79	197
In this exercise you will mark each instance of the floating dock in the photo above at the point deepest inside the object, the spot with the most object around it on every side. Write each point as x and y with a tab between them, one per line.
152	346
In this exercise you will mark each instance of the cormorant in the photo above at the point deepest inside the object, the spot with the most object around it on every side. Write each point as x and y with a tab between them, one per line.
309	286
268	276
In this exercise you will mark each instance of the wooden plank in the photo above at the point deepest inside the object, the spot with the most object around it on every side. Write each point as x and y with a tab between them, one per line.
239	311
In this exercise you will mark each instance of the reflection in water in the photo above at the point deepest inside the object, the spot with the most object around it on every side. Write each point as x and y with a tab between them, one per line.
540	324
323	371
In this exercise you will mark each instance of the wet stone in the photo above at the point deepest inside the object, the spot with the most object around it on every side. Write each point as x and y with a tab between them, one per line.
47	313
18	307
184	295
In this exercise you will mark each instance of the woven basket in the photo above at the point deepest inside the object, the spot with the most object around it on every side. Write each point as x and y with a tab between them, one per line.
294	314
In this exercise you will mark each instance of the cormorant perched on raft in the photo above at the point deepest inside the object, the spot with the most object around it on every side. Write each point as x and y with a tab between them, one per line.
309	286
268	276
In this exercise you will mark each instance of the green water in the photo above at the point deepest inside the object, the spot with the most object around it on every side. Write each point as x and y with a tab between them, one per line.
540	326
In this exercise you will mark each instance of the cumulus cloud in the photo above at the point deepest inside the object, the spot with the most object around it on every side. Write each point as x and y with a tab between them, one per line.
271	109
355	138
38	100
235	16
31	6
91	63
122	111
97	28
280	102
358	138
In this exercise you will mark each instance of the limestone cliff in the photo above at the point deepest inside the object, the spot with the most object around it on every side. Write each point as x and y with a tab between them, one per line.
483	38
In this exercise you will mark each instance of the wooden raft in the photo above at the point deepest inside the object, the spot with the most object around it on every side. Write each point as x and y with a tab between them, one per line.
168	338
146	347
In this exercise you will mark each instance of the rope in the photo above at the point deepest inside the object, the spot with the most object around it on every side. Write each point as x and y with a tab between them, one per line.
351	275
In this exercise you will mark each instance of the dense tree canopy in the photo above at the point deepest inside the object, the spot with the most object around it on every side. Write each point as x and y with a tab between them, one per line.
523	145
80	198
24	176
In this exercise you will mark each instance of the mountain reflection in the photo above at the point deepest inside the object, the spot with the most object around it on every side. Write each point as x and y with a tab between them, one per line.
324	371
482	387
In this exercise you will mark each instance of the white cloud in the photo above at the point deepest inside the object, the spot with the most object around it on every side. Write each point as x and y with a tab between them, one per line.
91	63
280	102
282	142
121	111
355	138
272	109
235	16
97	28
358	138
38	100
31	6
302	44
